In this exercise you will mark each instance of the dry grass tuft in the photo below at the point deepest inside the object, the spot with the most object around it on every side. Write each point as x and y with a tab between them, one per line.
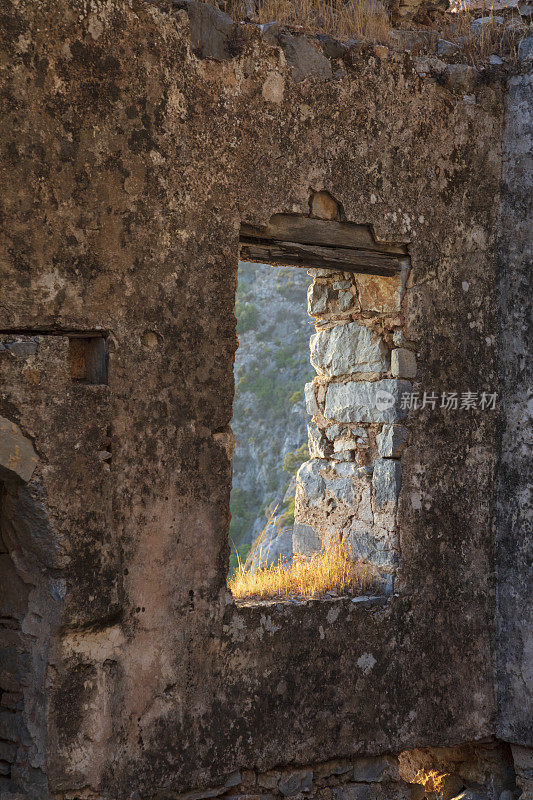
491	39
360	19
331	570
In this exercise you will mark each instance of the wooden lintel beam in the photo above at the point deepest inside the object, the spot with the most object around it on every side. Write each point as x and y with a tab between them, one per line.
296	254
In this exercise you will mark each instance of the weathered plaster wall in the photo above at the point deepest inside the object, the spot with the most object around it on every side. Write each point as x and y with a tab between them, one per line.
128	167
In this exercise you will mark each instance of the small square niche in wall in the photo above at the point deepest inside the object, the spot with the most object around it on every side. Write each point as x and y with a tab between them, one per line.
88	359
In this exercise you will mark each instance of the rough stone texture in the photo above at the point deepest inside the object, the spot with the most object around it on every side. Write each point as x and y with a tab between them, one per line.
372	547
17	453
523	765
514	546
403	363
304	58
323	205
386	480
305	540
129	165
213	34
392	440
317	298
345	300
311	405
379	294
318	444
525	49
309	479
346	349
366	402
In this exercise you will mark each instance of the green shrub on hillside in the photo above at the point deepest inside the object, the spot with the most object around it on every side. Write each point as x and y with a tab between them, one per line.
296	397
247	316
295	458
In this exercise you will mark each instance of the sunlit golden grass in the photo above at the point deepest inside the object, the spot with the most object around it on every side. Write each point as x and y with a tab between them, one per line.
331	570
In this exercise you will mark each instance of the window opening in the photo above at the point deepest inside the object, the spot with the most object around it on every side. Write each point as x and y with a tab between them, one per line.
319	496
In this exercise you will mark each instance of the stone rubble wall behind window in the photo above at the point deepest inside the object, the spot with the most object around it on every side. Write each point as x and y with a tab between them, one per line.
349	489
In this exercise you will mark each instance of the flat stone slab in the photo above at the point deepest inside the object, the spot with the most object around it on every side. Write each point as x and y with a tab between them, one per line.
386	480
346	349
311	481
392	440
366	402
305	541
17	453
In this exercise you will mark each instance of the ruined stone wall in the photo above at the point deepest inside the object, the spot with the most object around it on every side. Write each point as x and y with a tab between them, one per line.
129	166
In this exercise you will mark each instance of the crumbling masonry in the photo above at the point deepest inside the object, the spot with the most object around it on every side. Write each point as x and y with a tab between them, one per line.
142	147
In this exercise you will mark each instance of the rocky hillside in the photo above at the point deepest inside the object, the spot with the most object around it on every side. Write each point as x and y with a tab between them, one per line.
269	419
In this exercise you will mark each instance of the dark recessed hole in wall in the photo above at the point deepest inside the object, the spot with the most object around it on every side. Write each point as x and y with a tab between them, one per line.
88	359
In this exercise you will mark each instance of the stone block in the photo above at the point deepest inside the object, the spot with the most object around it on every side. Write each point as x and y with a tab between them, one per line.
373	791
323	205
345	300
304	58
8	752
320	273
305	541
268	780
379	293
342	490
14	594
311	405
270	32
317	299
482	22
22	349
346	349
525	49
447	49
333	431
386	480
317	442
246	797
337	767
344	456
10	726
332	48
17	453
376	769
392	440
213	33
365	546
461	78
366	402
403	363
292	783
340	445
311	482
